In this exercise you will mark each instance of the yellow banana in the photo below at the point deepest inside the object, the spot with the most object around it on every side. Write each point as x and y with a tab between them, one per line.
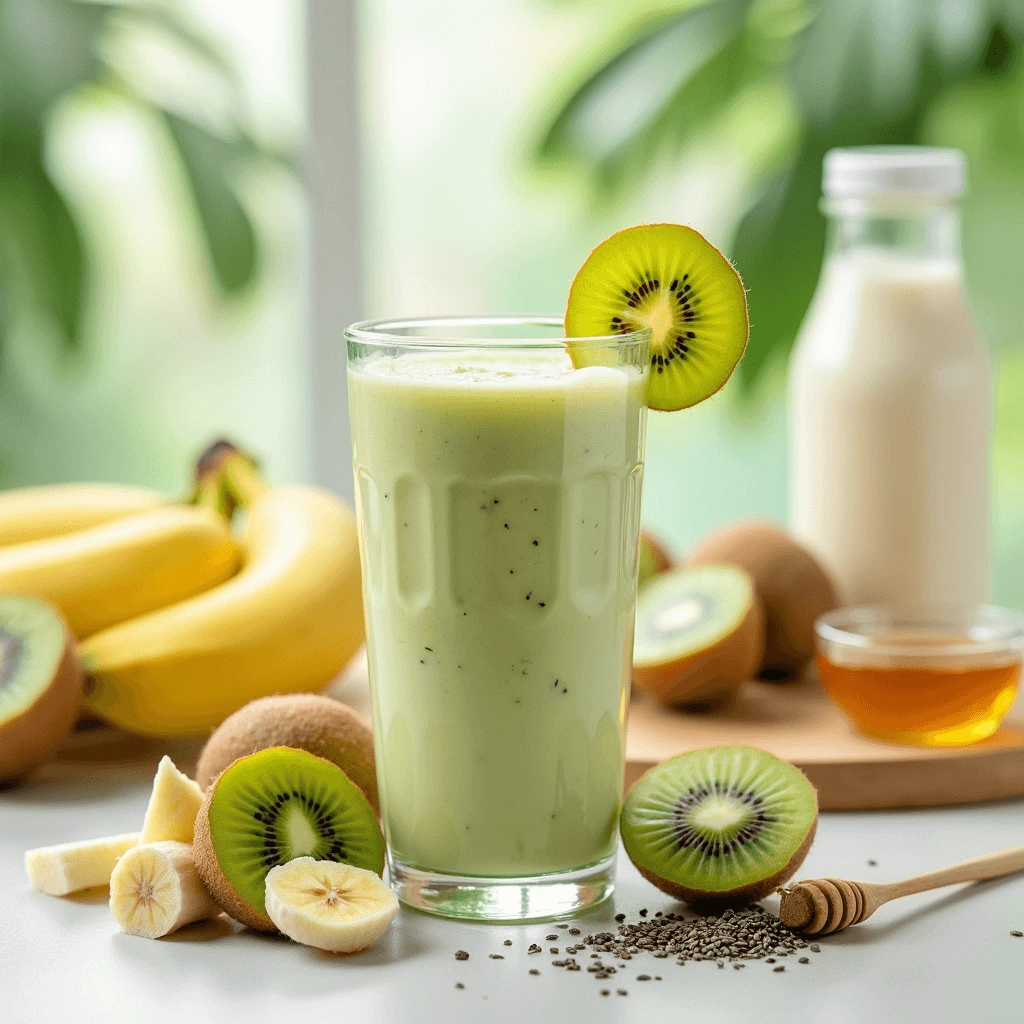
289	621
125	568
34	513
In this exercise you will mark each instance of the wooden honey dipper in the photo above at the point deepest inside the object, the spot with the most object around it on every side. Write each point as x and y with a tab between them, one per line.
820	906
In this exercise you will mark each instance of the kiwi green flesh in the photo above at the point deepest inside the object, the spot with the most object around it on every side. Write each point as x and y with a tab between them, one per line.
689	610
282	803
669	278
31	646
720	826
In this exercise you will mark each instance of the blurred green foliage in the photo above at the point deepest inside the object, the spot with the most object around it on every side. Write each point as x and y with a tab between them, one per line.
50	49
853	72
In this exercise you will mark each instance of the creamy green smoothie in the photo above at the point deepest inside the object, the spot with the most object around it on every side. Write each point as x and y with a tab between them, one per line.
498	497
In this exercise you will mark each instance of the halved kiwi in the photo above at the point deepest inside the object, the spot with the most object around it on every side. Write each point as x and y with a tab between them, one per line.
40	683
654	558
670	278
269	808
721	827
699	635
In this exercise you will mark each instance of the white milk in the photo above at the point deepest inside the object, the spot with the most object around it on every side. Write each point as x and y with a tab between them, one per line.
890	391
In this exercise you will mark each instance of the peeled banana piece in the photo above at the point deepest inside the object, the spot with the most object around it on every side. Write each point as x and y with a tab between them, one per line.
173	806
69	867
155	890
124	568
332	906
33	513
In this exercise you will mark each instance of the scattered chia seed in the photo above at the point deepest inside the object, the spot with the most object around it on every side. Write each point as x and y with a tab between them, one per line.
574	931
621	992
804	960
562	926
643	913
620	917
534	948
643	977
533	970
776	970
495	956
606	991
872	863
770	960
508	942
553	949
550	937
461	954
1016	934
459	984
814	947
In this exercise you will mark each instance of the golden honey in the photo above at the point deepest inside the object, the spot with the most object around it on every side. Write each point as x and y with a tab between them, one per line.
931	701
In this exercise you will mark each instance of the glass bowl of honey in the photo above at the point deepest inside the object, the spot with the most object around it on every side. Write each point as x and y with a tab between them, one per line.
926	677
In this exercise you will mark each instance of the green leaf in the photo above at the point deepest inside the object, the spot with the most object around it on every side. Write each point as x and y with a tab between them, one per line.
198	46
642	88
47	47
43	261
777	251
229	234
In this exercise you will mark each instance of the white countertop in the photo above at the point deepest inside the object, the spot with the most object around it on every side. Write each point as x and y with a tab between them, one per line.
938	957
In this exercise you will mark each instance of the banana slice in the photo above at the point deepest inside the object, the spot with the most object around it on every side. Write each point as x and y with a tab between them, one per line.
331	906
68	867
155	889
173	806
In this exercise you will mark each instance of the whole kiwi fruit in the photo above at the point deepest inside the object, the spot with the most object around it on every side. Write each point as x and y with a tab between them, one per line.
793	586
306	721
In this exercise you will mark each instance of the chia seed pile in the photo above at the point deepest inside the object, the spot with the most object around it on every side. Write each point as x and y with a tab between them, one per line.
733	937
750	934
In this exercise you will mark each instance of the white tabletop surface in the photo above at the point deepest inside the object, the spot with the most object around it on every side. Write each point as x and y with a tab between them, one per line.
938	957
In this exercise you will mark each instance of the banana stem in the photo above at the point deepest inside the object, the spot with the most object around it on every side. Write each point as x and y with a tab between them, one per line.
210	493
241	478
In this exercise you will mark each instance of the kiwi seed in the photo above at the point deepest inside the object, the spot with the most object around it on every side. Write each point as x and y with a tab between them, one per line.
670	278
269	808
40	683
306	721
721	827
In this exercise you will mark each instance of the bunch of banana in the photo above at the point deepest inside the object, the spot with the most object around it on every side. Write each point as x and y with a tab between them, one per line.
103	554
288	621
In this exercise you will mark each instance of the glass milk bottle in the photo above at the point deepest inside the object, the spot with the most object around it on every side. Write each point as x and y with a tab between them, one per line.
890	388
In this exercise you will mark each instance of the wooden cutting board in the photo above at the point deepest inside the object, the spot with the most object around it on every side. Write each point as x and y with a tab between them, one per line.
798	723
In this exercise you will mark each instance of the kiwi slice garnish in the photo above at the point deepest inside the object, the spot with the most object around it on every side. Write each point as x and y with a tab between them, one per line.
670	278
269	808
721	827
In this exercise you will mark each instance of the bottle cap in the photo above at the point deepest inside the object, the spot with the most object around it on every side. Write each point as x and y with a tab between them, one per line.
896	171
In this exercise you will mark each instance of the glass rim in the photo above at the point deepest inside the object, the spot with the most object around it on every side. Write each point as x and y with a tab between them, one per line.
1005	629
387	333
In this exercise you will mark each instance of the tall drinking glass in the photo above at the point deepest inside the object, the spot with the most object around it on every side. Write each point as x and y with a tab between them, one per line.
498	499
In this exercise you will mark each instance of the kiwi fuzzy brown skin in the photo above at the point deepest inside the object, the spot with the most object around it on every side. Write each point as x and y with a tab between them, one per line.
794	587
306	721
711	677
36	733
715	902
